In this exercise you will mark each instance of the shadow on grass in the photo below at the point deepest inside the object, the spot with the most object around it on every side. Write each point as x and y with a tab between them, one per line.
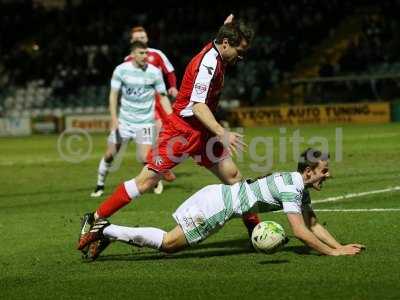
213	249
180	255
274	262
303	250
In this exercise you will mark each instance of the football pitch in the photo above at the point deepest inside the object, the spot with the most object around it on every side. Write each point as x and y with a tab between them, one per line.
43	194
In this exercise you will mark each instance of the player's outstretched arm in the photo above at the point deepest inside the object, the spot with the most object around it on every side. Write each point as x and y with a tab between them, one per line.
301	232
202	112
322	233
232	140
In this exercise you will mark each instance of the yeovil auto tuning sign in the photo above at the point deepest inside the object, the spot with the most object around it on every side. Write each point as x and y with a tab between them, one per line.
313	114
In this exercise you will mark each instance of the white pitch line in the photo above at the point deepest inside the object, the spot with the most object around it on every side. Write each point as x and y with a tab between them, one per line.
39	160
358	210
354	195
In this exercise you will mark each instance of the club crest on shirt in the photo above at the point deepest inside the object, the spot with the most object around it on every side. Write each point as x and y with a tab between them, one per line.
150	59
158	160
200	88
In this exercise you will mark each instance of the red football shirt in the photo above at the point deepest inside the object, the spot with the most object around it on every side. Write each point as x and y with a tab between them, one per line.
202	82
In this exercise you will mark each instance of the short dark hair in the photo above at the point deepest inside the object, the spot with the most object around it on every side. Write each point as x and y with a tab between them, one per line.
138	44
235	32
137	29
310	158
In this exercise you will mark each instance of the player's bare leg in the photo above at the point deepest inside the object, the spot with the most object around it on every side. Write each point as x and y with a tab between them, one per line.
227	171
141	155
123	195
128	191
174	241
141	152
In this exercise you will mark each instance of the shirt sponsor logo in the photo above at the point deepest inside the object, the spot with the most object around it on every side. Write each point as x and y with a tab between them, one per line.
135	91
200	88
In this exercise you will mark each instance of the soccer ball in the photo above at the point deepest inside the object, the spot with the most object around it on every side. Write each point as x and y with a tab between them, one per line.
268	237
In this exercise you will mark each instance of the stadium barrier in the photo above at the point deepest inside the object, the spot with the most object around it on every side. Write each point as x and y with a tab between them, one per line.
311	114
381	112
15	126
47	124
89	123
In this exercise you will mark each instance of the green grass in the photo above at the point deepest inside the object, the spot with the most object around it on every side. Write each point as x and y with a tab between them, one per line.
42	198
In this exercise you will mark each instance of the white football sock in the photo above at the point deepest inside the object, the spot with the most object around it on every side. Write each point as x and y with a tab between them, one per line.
131	188
141	236
102	171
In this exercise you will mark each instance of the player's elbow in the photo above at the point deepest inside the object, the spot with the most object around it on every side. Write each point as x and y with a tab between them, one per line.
197	108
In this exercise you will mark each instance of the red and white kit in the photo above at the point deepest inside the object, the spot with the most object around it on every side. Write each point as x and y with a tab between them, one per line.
184	135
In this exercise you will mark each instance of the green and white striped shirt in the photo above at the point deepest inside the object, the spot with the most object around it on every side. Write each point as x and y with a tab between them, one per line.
283	190
137	88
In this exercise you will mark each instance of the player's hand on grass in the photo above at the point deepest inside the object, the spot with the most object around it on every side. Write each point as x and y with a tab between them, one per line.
351	249
360	246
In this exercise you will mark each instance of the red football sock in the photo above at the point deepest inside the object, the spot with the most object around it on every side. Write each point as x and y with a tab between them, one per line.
116	201
250	220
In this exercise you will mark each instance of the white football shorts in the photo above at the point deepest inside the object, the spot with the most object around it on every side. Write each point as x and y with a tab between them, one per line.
141	134
202	214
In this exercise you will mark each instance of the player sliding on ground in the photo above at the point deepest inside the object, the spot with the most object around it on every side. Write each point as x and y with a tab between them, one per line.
210	208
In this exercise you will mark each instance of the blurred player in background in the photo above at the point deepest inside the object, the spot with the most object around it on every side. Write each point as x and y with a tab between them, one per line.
163	106
192	129
136	82
209	209
157	58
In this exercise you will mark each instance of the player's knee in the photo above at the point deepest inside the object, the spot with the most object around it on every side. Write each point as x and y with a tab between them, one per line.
233	177
146	184
109	157
111	152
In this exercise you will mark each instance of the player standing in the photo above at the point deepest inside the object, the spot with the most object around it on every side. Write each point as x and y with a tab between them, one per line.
162	106
157	58
136	82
